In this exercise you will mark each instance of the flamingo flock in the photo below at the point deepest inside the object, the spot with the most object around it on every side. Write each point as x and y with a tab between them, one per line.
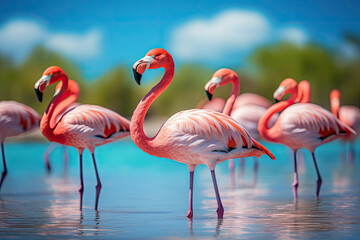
212	133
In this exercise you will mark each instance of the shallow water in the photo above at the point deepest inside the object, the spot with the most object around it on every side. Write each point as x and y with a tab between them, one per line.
147	197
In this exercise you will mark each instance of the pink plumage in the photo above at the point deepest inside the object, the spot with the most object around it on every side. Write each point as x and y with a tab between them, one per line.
80	126
15	118
217	104
304	125
251	99
195	136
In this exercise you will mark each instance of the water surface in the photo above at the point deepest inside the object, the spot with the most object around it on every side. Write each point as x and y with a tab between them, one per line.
147	197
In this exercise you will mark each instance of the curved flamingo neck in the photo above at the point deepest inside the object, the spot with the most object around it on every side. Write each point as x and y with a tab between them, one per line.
263	125
335	106
304	92
232	97
71	96
48	121
137	121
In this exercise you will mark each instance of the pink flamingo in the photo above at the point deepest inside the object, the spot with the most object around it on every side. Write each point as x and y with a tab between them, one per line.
349	115
82	126
303	125
249	108
197	136
15	118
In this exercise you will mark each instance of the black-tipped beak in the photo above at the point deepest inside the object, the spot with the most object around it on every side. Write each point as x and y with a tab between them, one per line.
276	101
209	95
39	94
137	76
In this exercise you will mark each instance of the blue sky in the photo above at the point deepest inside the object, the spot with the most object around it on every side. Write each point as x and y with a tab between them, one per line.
99	35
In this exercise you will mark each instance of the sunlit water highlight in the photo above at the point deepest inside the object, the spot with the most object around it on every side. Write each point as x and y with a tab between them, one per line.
147	197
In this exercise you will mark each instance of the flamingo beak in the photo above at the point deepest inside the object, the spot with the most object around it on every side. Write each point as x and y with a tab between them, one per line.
40	86
137	76
39	94
211	85
279	93
140	67
209	95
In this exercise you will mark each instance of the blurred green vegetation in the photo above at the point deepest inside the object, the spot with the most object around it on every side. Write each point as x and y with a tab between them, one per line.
322	68
266	67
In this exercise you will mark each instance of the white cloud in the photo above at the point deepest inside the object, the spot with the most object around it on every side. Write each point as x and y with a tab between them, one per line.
18	37
293	34
77	46
227	33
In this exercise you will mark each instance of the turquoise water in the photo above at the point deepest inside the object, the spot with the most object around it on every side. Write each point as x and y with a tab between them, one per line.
147	197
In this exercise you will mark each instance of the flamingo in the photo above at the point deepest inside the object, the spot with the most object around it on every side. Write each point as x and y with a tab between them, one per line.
249	108
303	125
15	118
193	137
81	126
73	90
347	114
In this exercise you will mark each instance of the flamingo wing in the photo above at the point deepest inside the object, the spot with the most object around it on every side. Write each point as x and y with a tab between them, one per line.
314	120
16	118
207	132
92	125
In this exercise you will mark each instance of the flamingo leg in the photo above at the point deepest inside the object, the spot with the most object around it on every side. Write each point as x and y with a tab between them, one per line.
191	187
81	189
220	210
256	168
296	178
190	212
4	173
98	186
319	180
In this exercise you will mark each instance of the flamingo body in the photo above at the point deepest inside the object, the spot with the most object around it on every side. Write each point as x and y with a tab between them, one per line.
217	104
248	116
16	118
251	99
307	125
204	137
89	126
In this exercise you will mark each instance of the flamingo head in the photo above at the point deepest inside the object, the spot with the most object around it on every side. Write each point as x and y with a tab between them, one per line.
286	86
155	58
220	78
51	75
